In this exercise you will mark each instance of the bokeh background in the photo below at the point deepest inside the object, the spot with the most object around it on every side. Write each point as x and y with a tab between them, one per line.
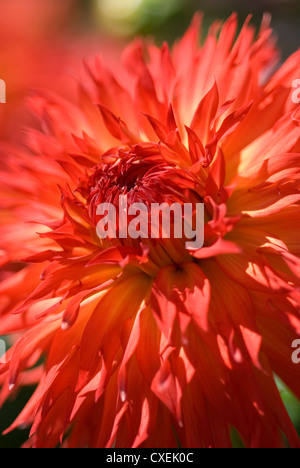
42	43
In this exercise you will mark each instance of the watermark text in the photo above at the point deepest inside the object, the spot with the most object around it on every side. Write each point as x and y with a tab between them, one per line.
2	351
296	353
296	93
2	92
161	221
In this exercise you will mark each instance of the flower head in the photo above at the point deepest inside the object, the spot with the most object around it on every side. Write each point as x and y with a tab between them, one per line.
146	341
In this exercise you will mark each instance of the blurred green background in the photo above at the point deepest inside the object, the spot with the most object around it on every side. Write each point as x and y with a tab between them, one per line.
120	20
167	19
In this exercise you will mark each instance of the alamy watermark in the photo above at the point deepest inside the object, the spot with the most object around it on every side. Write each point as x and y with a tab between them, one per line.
161	221
2	351
2	92
296	353
296	93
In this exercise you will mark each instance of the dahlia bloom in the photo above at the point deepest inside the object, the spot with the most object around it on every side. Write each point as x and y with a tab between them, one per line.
145	342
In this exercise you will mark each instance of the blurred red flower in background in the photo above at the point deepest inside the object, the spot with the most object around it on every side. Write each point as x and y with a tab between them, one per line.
32	50
145	342
39	49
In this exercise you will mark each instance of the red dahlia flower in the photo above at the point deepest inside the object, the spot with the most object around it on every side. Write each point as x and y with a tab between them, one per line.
147	343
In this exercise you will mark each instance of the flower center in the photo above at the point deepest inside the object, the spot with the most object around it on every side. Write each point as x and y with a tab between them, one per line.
114	190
